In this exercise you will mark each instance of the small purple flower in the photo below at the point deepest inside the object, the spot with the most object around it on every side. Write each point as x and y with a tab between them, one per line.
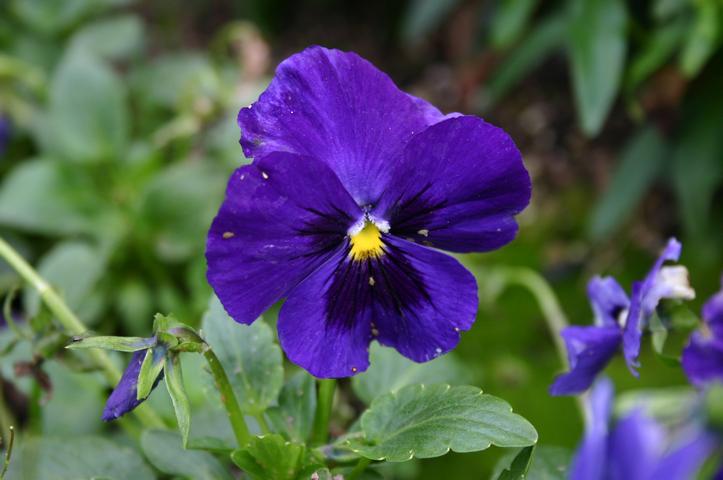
619	320
4	133
354	186
124	397
703	356
636	448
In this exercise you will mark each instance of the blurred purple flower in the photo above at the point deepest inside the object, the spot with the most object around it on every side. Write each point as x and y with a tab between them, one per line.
354	187
619	320
123	399
4	133
703	356
635	448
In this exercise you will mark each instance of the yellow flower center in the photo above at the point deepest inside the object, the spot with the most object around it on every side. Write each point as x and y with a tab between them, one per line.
367	243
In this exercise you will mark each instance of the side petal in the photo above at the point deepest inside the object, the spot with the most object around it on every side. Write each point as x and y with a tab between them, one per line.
589	349
457	186
713	314
590	460
282	217
702	360
325	324
423	300
635	446
608	300
337	107
123	398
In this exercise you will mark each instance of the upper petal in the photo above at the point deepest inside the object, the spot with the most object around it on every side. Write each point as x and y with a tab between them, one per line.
337	107
608	300
457	186
282	217
424	298
589	349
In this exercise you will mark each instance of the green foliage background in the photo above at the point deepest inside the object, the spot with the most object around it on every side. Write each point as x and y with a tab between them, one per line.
123	135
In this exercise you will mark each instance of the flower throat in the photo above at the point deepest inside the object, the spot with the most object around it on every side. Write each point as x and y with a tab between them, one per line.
366	243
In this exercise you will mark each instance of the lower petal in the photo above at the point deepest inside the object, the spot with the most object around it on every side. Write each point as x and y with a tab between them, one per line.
635	447
424	299
589	350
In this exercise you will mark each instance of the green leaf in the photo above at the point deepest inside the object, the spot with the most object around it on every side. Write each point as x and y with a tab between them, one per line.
272	458
176	390
248	354
389	371
510	20
40	196
76	403
297	404
52	17
515	466
656	50
426	421
88	116
642	160
549	463
713	401
178	206
423	16
73	269
151	368
119	344
596	46
115	38
545	37
76	458
704	38
164	450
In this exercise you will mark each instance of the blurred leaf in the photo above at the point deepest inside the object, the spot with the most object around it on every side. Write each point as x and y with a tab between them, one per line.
515	467
248	354
88	116
297	405
547	463
642	160
423	17
54	16
713	401
703	38
544	38
428	421
596	47
73	268
389	371
665	9
134	303
178	206
510	20
76	458
272	458
163	449
76	403
671	405
177	391
40	197
115	38
656	50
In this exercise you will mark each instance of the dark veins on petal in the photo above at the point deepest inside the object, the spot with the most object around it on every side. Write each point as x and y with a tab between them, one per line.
389	282
408	215
327	229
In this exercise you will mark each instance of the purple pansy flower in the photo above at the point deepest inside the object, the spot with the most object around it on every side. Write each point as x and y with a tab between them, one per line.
703	356
4	133
354	186
636	448
619	320
124	397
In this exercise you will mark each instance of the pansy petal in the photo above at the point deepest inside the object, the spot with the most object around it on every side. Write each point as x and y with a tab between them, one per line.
282	217
590	460
686	459
337	107
325	324
702	360
123	399
633	332
634	447
457	186
608	300
423	299
713	314
589	349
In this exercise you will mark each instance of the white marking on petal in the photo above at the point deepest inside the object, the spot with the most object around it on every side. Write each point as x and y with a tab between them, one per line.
673	282
423	232
265	175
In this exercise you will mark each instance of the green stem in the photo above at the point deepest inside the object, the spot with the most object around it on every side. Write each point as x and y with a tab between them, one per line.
262	423
358	469
228	398
71	323
320	433
8	453
551	311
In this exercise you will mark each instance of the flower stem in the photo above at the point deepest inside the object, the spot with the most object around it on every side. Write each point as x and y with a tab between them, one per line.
228	398
358	469
320	433
8	453
71	323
